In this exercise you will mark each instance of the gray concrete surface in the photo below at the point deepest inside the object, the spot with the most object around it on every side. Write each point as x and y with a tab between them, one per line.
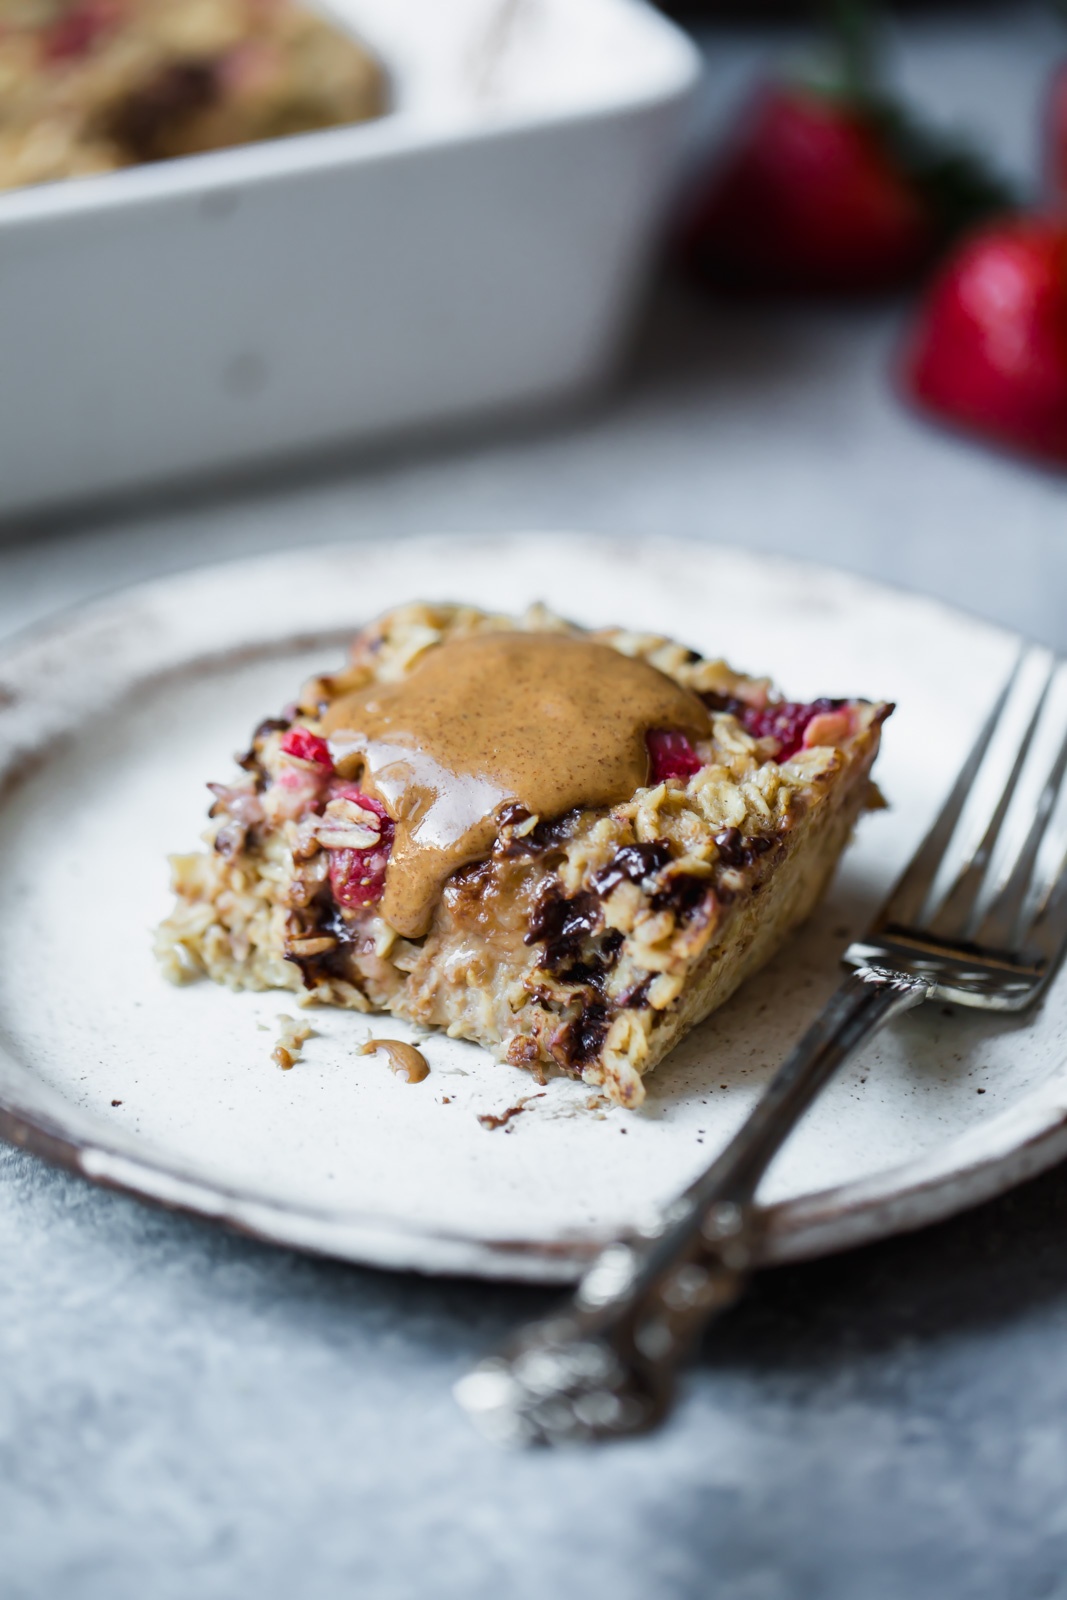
186	1413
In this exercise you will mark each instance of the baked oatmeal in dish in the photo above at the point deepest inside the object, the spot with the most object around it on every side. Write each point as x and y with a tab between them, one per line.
94	85
567	846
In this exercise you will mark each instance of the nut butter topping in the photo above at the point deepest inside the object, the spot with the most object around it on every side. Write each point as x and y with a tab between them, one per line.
405	1062
544	720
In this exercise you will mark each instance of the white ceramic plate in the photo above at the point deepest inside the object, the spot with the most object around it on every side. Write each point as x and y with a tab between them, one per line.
112	719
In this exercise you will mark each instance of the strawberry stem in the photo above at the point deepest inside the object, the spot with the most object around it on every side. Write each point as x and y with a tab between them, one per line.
960	187
854	27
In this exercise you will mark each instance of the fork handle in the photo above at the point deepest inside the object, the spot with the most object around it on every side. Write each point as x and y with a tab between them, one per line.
868	997
606	1365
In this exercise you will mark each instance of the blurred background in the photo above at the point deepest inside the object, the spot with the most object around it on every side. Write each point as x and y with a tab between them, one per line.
558	310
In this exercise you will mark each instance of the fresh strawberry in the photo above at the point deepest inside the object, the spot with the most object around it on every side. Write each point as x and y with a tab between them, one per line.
809	198
989	349
834	188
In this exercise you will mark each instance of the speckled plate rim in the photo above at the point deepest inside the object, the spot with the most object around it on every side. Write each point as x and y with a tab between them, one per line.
131	646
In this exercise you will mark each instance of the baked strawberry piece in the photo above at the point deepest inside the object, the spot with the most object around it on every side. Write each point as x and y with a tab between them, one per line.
569	847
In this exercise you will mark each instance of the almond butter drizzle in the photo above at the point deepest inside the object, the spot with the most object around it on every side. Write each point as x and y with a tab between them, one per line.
405	1062
544	720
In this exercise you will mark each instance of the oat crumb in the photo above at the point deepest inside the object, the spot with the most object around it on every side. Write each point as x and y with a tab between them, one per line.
491	1120
292	1036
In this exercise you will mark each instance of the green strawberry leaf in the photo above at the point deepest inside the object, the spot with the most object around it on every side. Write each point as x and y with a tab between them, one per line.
960	186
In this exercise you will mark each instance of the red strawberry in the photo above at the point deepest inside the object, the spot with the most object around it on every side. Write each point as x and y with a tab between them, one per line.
785	720
989	349
79	28
307	746
809	197
357	877
670	755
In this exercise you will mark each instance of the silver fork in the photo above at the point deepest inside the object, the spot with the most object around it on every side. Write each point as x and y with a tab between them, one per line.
606	1364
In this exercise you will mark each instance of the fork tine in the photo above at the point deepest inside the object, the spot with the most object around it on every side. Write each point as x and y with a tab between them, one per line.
952	919
1003	916
910	894
1047	934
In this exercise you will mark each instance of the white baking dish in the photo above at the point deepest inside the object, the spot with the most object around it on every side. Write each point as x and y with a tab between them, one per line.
478	248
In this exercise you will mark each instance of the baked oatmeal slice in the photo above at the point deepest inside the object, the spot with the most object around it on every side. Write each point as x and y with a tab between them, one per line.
569	847
94	85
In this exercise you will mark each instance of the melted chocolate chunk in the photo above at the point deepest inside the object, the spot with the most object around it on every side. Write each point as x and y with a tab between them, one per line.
561	922
631	864
318	969
573	952
471	883
145	121
737	850
324	916
580	1040
683	894
593	968
723	702
636	997
546	835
